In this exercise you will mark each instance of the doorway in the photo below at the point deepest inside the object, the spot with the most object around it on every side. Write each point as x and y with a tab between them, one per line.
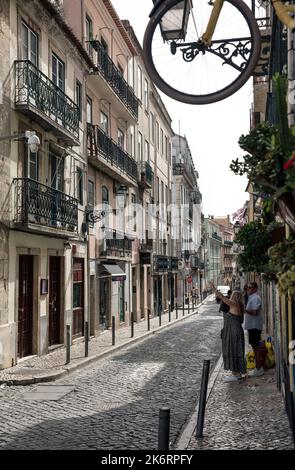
25	306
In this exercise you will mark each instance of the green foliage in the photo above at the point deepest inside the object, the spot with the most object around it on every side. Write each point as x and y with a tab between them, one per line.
255	240
268	147
282	261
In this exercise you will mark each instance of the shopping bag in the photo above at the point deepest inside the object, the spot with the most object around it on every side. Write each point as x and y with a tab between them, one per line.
250	358
270	358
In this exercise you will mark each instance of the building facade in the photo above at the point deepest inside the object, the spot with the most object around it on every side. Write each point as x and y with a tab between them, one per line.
43	248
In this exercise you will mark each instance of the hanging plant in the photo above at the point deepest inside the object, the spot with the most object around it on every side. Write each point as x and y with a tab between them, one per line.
270	162
255	240
282	259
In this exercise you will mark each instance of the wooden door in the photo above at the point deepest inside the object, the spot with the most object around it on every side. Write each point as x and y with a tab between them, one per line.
25	306
54	300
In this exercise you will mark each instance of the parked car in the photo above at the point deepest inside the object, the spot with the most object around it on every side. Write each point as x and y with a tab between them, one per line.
224	290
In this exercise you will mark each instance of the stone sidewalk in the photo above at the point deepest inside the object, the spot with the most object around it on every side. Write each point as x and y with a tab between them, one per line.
245	415
52	366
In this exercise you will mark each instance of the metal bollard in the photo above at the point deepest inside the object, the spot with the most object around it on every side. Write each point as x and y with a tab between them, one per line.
113	331
68	344
188	306
169	312
86	337
148	322
132	325
202	401
176	306
160	317
164	429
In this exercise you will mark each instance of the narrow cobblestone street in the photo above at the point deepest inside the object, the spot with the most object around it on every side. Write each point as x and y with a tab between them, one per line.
115	401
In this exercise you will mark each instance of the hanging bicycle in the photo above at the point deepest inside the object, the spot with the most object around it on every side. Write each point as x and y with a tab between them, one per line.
203	51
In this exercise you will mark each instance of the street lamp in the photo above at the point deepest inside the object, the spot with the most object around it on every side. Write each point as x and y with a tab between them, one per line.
175	20
237	227
33	140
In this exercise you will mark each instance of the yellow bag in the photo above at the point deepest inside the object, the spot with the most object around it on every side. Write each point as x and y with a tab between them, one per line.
250	357
270	358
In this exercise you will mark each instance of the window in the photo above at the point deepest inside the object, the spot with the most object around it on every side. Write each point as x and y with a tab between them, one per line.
104	122
104	45
58	72
139	83
131	72
79	98
89	34
80	185
131	141
88	110
32	165
104	195
57	171
146	94
121	138
166	147
153	128
146	151
91	193
133	202
162	142
158	135
139	146
29	44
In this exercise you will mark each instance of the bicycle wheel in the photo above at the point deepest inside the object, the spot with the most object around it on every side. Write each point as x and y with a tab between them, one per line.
187	70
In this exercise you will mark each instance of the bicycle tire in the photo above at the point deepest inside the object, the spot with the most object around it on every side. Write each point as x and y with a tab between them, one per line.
209	98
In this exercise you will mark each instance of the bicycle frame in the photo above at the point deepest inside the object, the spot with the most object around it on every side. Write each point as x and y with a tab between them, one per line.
282	11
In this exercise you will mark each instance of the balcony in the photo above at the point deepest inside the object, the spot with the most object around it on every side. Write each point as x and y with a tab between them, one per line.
116	244
42	101
146	175
161	263
216	237
109	156
173	263
228	243
147	245
41	208
106	68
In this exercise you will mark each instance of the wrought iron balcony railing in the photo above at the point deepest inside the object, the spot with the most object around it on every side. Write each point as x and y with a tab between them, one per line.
173	263
161	263
36	203
216	237
116	241
34	89
114	77
99	144
228	242
146	175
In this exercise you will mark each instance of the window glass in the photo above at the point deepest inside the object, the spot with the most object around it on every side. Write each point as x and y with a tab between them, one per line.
29	43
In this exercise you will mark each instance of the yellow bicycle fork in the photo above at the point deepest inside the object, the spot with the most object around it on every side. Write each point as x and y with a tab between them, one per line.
282	11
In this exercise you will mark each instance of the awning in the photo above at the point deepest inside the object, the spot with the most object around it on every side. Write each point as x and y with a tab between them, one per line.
115	271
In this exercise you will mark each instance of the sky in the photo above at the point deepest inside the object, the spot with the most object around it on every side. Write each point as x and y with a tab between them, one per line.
212	130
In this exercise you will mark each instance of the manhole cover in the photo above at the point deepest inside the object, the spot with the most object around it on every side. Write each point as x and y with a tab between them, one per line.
48	392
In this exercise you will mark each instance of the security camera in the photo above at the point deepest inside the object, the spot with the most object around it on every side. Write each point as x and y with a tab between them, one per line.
33	141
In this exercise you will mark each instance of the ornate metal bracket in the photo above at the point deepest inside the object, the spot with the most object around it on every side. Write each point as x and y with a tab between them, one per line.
233	52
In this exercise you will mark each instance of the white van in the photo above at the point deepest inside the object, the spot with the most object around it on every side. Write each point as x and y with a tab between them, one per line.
223	290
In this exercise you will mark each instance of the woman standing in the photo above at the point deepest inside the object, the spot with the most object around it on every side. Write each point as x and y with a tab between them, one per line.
233	341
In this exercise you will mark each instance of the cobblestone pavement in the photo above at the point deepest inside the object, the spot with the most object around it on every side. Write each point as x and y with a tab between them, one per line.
249	415
115	402
53	365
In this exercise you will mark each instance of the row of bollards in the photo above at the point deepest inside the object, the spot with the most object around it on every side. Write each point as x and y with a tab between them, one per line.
87	336
164	413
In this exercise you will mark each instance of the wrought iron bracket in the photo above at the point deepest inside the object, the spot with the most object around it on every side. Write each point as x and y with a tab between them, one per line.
233	52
